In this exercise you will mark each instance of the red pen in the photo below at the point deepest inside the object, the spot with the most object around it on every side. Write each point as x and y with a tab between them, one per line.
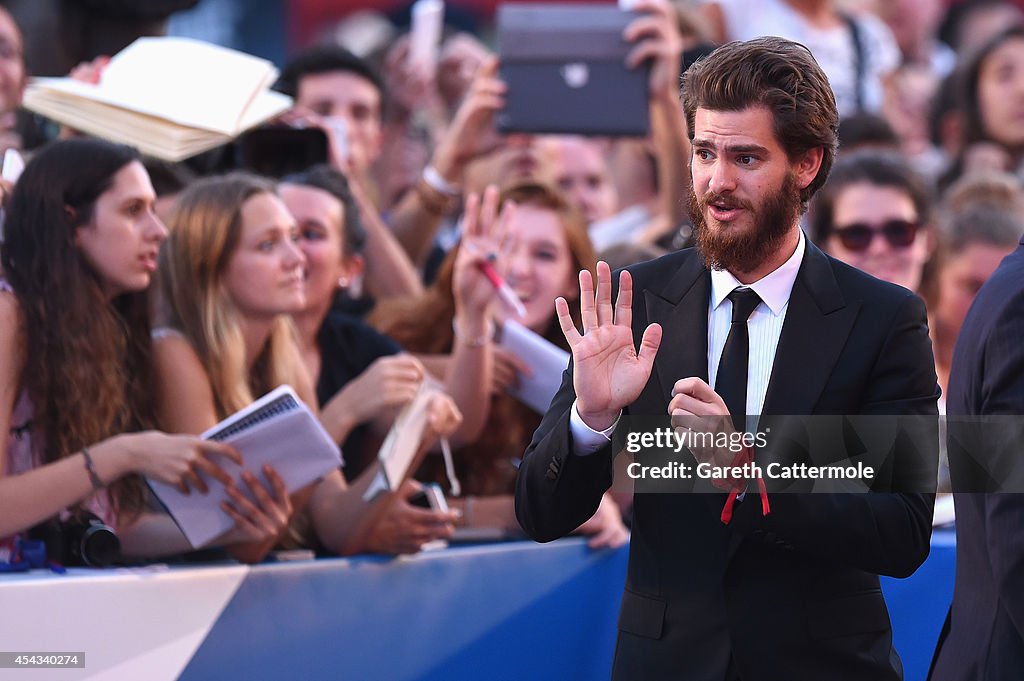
505	291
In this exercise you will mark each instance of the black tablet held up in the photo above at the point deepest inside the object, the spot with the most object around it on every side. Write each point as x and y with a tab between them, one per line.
565	67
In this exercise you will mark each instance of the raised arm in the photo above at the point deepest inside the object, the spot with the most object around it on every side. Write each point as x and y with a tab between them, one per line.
390	272
471	134
469	374
558	487
657	38
608	372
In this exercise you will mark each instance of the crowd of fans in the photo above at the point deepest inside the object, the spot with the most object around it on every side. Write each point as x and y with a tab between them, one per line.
141	302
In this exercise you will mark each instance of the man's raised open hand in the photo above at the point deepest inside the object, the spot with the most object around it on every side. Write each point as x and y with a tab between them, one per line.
608	373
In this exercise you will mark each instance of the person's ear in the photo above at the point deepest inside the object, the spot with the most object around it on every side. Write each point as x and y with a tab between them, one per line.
932	241
70	214
351	278
806	167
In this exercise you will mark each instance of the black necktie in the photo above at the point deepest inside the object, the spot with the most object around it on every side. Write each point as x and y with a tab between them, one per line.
731	382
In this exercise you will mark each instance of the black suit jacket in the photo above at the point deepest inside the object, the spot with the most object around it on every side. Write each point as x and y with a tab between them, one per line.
791	596
984	634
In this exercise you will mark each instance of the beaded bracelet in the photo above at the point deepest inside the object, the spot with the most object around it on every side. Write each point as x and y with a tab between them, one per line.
94	478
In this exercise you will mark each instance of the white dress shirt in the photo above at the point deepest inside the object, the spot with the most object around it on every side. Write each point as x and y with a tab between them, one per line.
764	327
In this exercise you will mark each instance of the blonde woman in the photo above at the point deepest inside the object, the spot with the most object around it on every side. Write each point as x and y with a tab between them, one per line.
232	272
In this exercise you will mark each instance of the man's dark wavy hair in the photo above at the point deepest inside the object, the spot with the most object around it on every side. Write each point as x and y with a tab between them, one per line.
326	59
780	75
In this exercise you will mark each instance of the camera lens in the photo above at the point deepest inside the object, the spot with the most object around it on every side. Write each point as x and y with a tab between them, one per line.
99	546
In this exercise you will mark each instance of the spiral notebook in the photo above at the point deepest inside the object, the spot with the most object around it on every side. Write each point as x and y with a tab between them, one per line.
278	429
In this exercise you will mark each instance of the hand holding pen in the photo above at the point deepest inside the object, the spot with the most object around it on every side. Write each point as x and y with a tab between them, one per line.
505	292
477	282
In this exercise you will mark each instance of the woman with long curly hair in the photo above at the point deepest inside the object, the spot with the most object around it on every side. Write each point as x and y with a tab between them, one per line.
80	247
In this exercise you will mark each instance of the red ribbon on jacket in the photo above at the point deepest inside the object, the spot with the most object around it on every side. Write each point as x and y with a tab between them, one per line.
736	485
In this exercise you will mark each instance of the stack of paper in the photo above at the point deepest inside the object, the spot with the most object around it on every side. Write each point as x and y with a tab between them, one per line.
546	361
170	97
277	429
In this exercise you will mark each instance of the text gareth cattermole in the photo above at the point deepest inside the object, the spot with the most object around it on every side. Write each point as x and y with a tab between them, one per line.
677	440
748	471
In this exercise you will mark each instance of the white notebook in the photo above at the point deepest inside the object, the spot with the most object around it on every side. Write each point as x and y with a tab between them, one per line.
278	429
403	440
169	97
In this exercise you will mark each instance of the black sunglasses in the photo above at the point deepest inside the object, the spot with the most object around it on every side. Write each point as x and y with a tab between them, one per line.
858	236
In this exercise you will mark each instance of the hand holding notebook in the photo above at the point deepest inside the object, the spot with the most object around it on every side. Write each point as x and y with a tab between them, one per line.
278	429
417	422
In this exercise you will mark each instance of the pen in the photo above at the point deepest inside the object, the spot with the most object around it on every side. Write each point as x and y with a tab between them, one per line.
505	292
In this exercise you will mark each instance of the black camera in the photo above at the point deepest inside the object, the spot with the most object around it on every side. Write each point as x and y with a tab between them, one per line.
83	539
277	151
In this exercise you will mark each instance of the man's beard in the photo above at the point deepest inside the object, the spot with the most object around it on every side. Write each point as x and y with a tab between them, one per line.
745	250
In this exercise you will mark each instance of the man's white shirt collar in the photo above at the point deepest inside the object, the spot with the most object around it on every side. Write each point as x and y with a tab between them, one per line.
773	288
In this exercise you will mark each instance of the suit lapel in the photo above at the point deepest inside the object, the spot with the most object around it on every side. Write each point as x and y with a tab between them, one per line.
681	308
818	322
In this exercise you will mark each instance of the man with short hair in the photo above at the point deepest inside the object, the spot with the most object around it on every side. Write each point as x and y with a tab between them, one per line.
331	82
726	586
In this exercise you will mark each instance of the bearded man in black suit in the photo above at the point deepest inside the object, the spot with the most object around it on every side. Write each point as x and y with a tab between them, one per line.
756	321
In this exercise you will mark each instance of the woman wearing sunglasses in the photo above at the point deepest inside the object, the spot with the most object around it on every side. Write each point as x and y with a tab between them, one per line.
874	214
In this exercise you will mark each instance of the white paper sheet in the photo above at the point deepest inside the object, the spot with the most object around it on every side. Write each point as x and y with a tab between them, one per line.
547	362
